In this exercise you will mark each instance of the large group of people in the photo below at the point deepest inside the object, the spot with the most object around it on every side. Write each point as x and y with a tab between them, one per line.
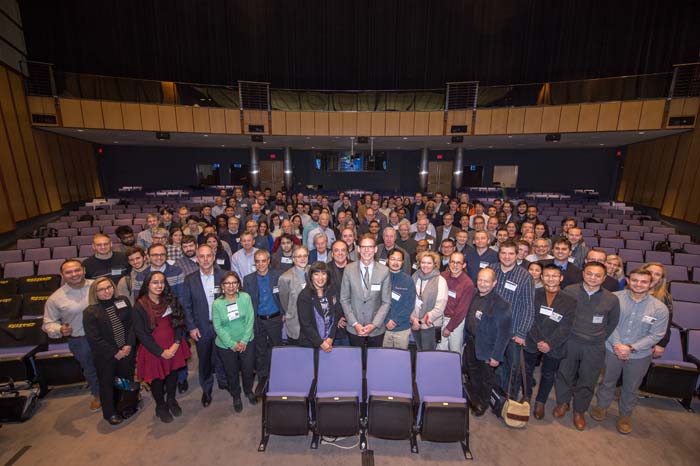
256	270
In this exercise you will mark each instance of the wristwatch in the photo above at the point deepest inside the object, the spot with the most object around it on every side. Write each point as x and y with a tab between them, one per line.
632	349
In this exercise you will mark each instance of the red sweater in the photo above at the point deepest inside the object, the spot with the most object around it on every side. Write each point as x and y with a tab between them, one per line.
462	288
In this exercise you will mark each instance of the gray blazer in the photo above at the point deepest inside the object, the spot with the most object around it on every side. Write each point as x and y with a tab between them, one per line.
290	285
366	306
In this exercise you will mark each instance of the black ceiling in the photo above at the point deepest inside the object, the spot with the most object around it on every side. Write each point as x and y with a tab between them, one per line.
363	44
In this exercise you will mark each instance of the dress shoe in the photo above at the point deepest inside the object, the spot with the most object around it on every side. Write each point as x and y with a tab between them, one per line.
559	411
206	399
95	404
624	424
174	408
163	413
538	412
599	413
579	421
478	411
261	385
183	386
115	419
252	399
237	404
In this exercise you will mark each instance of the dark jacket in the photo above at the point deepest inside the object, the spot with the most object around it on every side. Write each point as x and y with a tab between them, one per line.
596	315
98	329
250	286
493	329
306	304
548	327
572	274
144	332
195	303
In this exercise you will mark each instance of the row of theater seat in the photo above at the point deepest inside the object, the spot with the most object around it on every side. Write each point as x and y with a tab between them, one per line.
23	306
337	398
45	253
22	270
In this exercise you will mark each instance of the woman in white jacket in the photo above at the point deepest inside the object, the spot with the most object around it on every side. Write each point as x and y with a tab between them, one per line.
431	299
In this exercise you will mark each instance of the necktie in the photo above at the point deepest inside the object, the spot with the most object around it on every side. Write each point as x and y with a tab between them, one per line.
365	278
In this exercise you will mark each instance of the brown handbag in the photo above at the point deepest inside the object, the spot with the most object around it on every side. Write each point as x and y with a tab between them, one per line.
516	414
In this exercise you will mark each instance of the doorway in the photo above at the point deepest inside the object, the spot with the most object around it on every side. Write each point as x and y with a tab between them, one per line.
272	174
472	176
208	174
505	176
440	177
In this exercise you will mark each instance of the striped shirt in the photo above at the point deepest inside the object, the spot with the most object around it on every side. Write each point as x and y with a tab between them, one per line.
117	326
518	288
173	274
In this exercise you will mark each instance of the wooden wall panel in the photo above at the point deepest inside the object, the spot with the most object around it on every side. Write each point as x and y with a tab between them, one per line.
68	159
17	145
36	171
364	123
420	123
673	186
349	124
675	107
200	119
406	122
307	122
378	124
6	220
392	124
457	117
278	123
588	117
684	199
112	115
335	123
630	114
184	119
167	119
664	173
609	116
499	121
233	121
533	120
568	119
321	123
10	182
131	115
71	113
293	123
92	113
149	117
435	123
217	120
57	162
516	120
550	119
255	117
691	105
652	114
483	122
42	147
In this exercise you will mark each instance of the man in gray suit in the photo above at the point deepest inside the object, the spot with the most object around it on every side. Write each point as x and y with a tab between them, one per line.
365	295
291	283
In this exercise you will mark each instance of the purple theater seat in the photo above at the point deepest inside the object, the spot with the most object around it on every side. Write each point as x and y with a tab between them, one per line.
29	243
673	354
438	376
13	255
56	241
18	269
692	248
291	371
37	255
80	240
686	291
686	260
65	252
686	315
612	243
676	273
658	256
644	245
389	373
605	234
634	255
340	373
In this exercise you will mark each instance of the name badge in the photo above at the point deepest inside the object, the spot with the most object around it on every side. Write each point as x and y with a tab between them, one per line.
252	267
375	287
648	319
478	314
483	265
547	311
303	285
244	205
414	266
220	261
275	289
395	296
168	311
419	302
451	294
510	285
238	216
445	261
287	260
382	261
556	317
120	304
430	241
572	260
232	311
217	290
597	319
238	240
117	271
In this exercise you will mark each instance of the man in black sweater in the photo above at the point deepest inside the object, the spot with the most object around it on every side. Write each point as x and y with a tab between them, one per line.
597	314
105	262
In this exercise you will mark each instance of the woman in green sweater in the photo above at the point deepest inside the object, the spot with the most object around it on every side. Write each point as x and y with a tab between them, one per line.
233	317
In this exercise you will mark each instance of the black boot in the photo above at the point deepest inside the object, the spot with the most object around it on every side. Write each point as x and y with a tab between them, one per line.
163	413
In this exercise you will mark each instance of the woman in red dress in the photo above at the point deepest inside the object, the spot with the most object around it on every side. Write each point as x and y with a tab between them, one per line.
159	324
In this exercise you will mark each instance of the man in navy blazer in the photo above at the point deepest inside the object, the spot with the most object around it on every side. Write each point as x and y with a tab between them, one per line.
262	286
198	293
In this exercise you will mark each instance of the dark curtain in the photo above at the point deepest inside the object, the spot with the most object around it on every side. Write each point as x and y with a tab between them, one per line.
363	44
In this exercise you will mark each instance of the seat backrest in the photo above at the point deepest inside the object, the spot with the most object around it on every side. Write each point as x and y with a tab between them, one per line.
606	234
292	369
692	248
679	238
65	252
696	274
686	315
687	260
36	255
686	291
50	267
664	230
633	235
658	256
28	243
631	255
655	236
674	348
80	240
18	269
389	370
13	255
676	273
644	245
10	307
68	232
86	250
340	370
24	333
612	243
89	231
438	373
56	241
694	343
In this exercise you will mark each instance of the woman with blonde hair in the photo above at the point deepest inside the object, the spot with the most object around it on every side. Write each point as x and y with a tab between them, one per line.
615	267
431	299
659	290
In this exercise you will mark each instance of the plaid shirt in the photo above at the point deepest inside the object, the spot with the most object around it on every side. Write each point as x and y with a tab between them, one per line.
517	287
174	252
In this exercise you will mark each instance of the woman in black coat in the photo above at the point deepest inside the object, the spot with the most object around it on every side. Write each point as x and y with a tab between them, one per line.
318	306
110	334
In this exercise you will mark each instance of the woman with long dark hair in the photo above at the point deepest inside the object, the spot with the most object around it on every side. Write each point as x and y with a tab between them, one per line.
318	307
159	323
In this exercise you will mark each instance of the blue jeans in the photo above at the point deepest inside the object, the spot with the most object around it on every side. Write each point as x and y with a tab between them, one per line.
81	350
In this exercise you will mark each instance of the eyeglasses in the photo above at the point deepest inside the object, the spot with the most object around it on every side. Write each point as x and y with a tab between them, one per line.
365	246
301	256
106	288
456	262
158	254
230	283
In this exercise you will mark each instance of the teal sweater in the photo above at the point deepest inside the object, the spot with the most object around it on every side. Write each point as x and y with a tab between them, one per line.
229	332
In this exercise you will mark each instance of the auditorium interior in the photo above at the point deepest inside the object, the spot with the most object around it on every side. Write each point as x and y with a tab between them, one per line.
111	112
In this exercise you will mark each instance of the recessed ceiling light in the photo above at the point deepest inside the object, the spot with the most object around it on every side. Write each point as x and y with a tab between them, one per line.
116	142
264	142
641	132
405	139
205	135
510	137
313	147
601	144
490	147
80	130
449	143
308	137
223	145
